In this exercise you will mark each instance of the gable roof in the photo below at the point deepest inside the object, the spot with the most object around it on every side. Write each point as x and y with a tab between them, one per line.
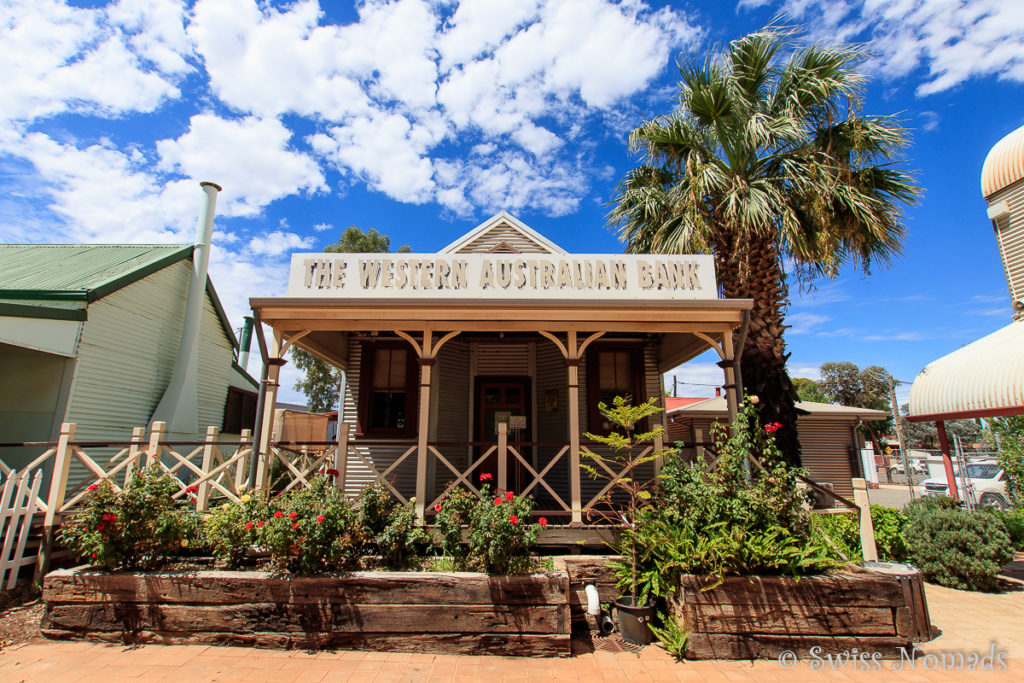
501	223
58	280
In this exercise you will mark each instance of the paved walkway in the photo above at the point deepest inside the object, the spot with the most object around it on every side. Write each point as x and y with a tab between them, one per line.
971	623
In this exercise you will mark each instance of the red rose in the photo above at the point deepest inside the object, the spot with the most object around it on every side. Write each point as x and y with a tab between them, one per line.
543	521
279	514
191	489
497	501
93	487
509	496
320	518
293	515
332	473
295	525
248	526
513	519
486	476
437	508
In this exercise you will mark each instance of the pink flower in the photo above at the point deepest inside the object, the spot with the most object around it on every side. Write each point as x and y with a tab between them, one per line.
279	514
513	519
486	476
543	521
509	496
293	515
295	525
320	518
248	526
93	487
437	508
497	501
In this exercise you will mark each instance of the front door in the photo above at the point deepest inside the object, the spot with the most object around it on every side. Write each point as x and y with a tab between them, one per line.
503	400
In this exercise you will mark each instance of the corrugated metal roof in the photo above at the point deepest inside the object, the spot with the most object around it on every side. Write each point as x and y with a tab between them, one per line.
84	271
986	377
718	407
1004	164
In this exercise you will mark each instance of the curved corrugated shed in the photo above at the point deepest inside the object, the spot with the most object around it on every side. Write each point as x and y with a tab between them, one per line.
1004	164
983	378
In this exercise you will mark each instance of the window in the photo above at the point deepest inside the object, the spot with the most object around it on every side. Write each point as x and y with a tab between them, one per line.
613	371
387	390
239	411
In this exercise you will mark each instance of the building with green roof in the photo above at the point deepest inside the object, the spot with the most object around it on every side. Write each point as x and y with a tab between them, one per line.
89	333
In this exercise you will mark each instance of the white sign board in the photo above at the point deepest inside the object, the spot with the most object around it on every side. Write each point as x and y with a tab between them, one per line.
502	276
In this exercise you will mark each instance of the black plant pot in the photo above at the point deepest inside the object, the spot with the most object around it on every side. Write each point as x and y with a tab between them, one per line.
633	621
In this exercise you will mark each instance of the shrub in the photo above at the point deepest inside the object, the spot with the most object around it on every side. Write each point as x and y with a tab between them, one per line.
500	536
1012	521
135	528
843	530
231	529
392	530
890	533
311	529
927	504
958	549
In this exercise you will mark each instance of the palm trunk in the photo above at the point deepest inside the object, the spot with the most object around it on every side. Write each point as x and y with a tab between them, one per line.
763	357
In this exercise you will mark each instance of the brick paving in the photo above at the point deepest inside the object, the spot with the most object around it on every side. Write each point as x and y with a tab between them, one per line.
970	622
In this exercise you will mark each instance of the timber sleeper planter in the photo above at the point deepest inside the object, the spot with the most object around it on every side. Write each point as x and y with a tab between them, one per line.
444	612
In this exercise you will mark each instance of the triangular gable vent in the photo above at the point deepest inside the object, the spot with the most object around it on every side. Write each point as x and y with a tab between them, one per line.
503	233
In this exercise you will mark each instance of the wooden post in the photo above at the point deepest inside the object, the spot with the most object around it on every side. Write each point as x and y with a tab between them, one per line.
240	469
575	486
203	496
422	432
55	496
156	435
135	452
263	452
947	461
659	444
503	456
867	529
341	456
728	365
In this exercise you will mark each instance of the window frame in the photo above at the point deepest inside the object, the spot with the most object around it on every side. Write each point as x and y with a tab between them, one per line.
636	351
365	406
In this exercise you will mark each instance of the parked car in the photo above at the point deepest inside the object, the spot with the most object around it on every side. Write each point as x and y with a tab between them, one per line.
987	478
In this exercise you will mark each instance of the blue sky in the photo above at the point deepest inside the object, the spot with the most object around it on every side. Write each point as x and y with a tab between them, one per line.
421	119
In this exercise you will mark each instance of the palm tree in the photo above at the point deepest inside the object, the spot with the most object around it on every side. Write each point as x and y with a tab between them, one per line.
766	159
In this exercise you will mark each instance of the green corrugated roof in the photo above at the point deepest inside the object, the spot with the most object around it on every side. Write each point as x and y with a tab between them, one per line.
79	271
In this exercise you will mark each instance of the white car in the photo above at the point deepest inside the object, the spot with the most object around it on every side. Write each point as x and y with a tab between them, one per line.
987	478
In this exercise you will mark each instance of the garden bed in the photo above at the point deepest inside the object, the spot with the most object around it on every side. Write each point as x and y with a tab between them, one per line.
441	612
881	610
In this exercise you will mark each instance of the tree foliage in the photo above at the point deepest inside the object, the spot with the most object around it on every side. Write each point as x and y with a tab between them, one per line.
768	157
1009	433
320	380
925	435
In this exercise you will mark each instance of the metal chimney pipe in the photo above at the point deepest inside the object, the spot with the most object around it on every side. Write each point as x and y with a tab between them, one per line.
245	344
178	407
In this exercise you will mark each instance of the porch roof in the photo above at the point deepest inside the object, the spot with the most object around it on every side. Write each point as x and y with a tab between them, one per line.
322	317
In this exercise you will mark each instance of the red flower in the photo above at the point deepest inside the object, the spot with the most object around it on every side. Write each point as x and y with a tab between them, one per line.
99	527
509	496
497	501
93	487
191	489
260	523
772	427
332	472
295	525
293	515
513	519
486	476
94	556
543	521
279	514
437	508
320	518
248	526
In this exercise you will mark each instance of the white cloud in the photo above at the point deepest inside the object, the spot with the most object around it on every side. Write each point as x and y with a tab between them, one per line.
278	242
249	158
57	58
952	41
804	323
322	227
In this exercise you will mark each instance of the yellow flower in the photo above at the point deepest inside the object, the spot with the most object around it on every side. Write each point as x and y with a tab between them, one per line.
412	500
245	499
184	543
225	506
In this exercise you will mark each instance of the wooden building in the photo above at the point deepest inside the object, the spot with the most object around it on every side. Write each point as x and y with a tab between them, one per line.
500	338
830	444
90	333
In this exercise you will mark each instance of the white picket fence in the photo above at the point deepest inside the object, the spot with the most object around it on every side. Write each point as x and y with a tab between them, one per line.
18	505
